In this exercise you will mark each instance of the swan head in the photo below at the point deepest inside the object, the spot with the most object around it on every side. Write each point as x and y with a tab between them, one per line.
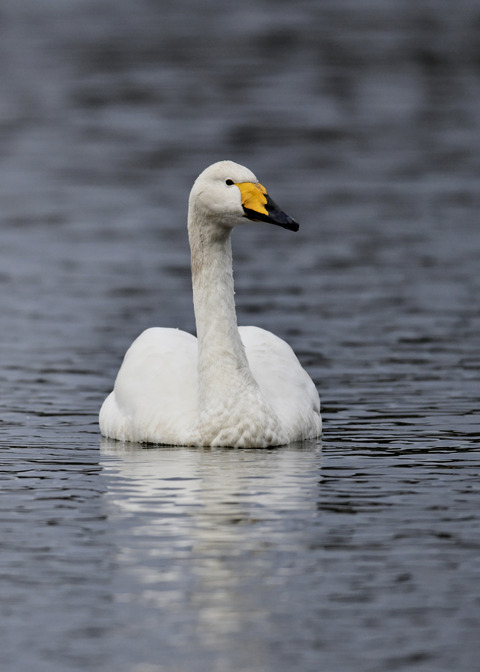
229	194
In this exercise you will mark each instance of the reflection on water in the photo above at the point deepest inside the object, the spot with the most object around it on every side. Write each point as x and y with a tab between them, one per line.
212	535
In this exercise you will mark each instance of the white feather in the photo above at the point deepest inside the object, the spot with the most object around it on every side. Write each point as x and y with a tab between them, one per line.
233	386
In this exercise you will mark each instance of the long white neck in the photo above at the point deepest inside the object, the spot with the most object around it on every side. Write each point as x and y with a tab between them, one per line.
231	408
222	363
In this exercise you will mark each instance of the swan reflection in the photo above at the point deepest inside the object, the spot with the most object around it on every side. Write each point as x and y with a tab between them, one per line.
209	531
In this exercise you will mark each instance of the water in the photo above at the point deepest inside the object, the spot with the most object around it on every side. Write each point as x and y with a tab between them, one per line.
357	552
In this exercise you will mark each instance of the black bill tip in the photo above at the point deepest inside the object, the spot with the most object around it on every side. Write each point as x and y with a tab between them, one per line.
274	216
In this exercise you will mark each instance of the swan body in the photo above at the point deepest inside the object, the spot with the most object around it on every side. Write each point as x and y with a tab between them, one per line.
230	386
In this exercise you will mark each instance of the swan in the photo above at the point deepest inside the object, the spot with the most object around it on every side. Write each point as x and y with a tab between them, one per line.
230	386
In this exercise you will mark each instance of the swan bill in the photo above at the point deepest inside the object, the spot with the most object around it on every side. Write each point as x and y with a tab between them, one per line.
259	207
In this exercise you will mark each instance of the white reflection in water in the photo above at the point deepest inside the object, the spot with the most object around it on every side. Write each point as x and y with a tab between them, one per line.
210	533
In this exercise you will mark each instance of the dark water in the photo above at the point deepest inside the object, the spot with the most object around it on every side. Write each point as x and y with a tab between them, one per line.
360	552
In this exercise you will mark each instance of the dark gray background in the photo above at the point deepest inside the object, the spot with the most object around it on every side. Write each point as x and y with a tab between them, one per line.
358	553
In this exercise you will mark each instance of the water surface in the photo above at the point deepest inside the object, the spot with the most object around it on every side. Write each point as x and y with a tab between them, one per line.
357	552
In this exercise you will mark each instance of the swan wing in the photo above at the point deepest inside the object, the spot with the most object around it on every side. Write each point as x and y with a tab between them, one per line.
155	395
284	384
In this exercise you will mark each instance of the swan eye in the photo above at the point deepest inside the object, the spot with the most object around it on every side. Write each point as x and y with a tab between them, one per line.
229	182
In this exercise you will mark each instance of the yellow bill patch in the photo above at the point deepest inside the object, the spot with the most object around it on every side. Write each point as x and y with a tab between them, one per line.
253	196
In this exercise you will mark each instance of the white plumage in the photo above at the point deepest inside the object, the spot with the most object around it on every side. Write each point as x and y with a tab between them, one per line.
234	386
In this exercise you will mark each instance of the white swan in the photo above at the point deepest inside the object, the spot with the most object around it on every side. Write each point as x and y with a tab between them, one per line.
241	387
